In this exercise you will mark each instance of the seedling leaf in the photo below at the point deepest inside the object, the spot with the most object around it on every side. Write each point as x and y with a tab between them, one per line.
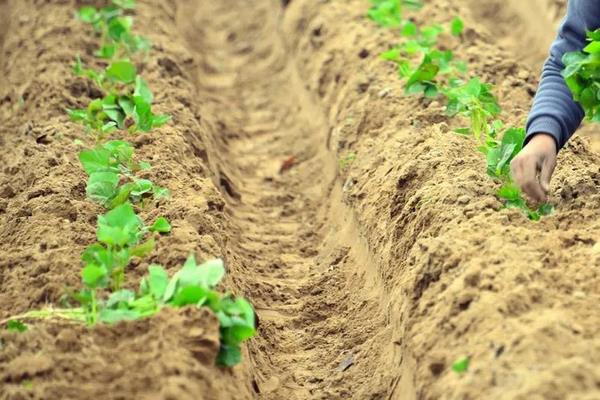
94	276
156	282
457	26
14	325
461	365
142	90
122	71
161	225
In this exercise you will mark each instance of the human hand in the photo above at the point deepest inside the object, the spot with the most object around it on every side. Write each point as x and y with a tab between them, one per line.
532	168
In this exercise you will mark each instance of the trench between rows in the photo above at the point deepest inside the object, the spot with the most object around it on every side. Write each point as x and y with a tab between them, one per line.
295	248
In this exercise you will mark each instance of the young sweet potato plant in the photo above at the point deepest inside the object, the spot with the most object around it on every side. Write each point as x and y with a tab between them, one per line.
192	285
388	13
582	74
432	72
121	234
112	179
127	103
114	28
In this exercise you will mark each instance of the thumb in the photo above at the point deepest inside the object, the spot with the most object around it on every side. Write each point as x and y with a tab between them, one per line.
546	173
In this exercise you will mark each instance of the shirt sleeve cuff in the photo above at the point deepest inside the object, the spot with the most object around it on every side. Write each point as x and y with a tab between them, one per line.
546	125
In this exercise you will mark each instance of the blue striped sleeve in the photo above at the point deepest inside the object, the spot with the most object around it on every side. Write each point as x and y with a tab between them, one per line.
554	111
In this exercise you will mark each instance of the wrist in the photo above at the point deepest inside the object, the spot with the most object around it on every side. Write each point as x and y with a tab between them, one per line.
544	140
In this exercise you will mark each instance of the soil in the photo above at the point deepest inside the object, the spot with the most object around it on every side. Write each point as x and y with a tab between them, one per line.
365	233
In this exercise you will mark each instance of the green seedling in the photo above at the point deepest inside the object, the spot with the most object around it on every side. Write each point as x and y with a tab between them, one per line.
499	155
438	72
582	74
347	160
475	101
388	13
423	79
127	104
112	182
15	325
115	30
117	74
192	285
119	233
457	26
461	365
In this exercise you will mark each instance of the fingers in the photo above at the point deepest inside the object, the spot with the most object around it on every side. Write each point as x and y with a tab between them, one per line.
525	170
546	174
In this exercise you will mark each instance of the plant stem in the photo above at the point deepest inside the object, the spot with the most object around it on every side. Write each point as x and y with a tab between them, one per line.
75	314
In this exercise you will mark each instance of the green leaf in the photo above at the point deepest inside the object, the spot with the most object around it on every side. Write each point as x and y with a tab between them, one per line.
593	47
122	71
426	72
207	275
142	90
139	43
97	254
189	295
77	115
122	195
102	186
120	150
96	160
457	26
120	226
142	114
160	120
141	187
118	27
461	365
171	288
409	29
463	131
241	309
14	325
107	51
545	209
156	282
239	333
510	191
144	249
391	54
94	276
212	271
431	91
161	225
125	4
109	127
120	297
87	14
415	88
117	116
127	105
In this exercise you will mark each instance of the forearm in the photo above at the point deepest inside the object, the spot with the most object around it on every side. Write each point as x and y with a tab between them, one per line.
554	111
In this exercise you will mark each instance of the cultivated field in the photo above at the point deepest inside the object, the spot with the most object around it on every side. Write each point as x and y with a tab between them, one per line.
372	241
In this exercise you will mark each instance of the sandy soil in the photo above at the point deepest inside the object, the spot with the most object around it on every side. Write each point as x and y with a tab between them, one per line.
368	280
